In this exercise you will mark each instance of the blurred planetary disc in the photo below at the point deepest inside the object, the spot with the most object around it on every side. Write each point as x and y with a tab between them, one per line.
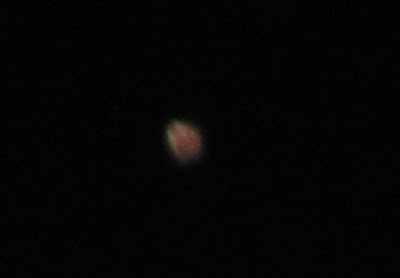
184	140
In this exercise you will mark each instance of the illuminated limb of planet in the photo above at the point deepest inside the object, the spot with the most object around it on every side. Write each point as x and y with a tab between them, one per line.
184	141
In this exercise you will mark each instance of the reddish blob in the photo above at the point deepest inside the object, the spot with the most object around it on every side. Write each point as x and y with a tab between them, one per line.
185	141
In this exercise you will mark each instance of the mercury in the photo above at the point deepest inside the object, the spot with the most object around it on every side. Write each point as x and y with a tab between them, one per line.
184	141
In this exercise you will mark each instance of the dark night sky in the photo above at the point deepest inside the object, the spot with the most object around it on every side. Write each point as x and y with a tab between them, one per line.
296	176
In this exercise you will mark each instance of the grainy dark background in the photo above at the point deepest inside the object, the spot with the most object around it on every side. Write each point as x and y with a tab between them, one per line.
291	97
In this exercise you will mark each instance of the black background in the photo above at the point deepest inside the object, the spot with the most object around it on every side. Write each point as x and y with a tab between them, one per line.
291	98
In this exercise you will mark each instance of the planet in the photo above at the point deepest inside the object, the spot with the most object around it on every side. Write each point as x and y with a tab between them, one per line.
184	141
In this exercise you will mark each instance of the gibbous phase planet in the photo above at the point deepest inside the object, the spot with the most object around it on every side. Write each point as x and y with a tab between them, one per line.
184	141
